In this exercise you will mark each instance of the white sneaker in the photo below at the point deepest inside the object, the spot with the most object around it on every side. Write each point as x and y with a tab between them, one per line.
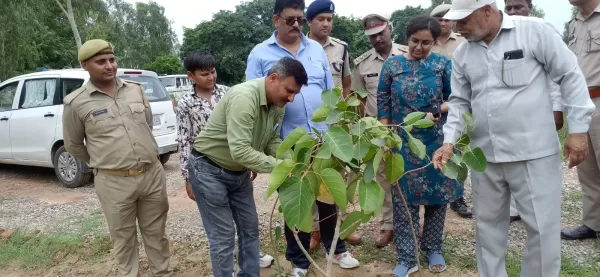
299	272
345	260
265	260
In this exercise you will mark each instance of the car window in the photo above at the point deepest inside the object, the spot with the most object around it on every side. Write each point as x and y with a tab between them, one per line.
70	85
178	84
38	93
7	95
168	82
155	91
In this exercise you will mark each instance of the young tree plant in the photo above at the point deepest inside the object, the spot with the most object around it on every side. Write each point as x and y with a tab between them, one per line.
332	166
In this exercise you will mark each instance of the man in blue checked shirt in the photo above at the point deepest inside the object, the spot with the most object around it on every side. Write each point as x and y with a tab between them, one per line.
288	41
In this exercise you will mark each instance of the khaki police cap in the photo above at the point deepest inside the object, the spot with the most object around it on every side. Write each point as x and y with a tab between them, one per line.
94	47
374	23
440	10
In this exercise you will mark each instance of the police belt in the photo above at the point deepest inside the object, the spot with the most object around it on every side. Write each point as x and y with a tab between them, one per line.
594	92
122	172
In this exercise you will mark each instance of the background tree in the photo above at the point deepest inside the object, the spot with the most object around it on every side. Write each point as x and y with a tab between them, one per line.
537	12
574	11
69	14
400	19
167	65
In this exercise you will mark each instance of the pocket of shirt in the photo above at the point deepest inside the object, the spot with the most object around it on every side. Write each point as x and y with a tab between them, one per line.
516	72
138	112
315	71
102	121
594	41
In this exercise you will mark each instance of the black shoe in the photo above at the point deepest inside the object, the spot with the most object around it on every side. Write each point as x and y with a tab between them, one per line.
577	233
461	208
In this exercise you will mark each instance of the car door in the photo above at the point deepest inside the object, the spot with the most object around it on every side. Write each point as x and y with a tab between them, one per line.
7	96
33	123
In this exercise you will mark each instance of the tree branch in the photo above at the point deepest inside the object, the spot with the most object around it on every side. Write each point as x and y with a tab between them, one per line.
274	241
336	236
307	255
412	229
62	8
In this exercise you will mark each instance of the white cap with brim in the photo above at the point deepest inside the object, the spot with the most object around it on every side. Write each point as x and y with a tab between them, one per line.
463	8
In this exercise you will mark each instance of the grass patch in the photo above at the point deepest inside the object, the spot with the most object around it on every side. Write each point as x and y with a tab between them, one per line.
41	251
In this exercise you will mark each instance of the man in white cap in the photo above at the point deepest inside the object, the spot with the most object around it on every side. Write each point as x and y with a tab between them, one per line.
366	76
500	76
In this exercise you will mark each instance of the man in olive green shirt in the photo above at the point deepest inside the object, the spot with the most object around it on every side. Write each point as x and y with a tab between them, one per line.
241	135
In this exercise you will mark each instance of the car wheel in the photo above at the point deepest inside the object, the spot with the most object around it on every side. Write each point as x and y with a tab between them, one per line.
69	169
164	158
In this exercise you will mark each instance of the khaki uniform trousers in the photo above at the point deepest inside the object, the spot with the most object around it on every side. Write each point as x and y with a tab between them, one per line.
387	215
142	197
589	174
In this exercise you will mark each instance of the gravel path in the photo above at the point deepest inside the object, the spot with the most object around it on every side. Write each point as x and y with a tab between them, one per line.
32	198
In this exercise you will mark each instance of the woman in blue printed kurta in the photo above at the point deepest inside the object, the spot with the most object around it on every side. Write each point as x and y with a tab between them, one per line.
419	81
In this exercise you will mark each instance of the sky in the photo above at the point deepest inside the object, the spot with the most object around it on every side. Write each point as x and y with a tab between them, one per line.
188	13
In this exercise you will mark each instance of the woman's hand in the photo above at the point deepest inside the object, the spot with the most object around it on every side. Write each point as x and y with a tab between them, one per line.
431	117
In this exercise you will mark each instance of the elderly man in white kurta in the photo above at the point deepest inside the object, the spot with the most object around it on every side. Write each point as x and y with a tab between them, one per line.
500	76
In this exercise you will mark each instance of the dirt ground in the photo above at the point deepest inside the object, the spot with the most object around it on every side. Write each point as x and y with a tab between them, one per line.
32	199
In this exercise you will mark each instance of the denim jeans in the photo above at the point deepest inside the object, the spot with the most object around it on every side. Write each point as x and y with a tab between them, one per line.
328	216
225	197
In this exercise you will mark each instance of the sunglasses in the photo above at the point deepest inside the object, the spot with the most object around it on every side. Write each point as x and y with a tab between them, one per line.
291	20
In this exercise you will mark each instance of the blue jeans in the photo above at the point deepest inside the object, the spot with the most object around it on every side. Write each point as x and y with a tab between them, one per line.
225	197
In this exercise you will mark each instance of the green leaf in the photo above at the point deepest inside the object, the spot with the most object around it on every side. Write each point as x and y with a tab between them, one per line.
378	142
340	143
277	233
408	128
463	172
368	196
398	140
314	182
451	170
413	117
321	164
334	117
353	101
423	123
469	123
350	224
351	190
463	141
457	158
297	199
394	167
370	121
416	146
361	92
307	223
324	152
321	114
380	204
369	172
476	159
306	141
336	186
379	132
342	105
361	149
279	174
330	97
371	154
358	128
290	141
377	158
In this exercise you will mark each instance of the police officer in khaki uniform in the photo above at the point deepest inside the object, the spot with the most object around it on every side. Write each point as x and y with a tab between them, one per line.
584	41
113	116
448	40
445	45
366	76
320	20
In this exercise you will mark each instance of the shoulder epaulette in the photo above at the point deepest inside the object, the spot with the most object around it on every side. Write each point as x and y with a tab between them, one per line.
133	82
363	57
69	98
339	41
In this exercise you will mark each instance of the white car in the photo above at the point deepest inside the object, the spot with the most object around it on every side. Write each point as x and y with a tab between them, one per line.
31	110
176	85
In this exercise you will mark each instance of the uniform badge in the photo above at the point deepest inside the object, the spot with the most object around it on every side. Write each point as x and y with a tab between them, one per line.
99	112
373	75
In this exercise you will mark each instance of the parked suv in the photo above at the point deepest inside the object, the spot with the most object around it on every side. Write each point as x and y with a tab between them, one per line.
31	120
176	85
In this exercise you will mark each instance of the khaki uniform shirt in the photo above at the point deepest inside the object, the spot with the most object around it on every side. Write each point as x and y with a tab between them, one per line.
584	41
366	74
243	130
117	131
447	49
339	65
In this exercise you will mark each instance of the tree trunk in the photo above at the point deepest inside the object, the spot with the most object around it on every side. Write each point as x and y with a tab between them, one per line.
71	17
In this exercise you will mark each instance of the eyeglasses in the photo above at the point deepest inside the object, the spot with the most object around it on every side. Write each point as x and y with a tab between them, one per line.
291	20
415	41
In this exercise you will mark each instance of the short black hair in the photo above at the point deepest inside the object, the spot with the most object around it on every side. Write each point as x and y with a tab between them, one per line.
423	22
199	60
528	2
280	5
288	67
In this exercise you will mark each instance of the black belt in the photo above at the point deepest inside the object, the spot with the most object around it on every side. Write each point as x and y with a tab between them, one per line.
211	162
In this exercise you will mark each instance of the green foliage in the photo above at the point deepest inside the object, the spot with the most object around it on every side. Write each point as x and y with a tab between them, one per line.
400	20
169	64
537	12
334	165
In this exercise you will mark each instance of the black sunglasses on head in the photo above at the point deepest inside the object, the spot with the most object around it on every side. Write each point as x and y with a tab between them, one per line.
291	20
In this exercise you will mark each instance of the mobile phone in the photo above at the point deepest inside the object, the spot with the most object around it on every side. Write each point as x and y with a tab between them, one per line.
433	109
513	55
